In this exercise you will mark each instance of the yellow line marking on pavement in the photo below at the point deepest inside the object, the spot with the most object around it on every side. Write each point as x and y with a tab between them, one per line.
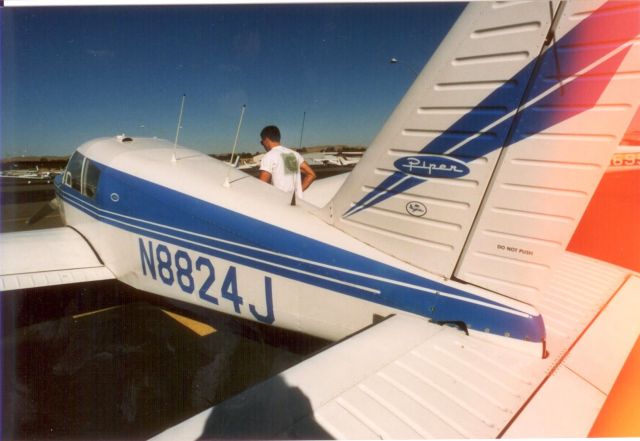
199	328
97	311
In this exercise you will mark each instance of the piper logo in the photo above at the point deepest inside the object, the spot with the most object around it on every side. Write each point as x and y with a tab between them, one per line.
431	166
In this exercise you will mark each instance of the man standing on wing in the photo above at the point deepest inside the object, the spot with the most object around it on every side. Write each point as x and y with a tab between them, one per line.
282	166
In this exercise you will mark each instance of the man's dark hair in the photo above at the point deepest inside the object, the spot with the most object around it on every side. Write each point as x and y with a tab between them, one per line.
271	132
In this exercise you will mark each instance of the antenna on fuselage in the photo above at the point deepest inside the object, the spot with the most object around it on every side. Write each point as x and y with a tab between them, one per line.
235	142
304	116
175	144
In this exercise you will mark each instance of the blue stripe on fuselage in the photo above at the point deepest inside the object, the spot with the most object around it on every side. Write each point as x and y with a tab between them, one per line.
169	216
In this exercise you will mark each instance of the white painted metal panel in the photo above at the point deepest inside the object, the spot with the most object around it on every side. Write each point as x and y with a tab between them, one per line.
574	295
340	423
375	414
603	349
47	257
578	109
53	278
476	77
50	249
570	400
565	400
413	413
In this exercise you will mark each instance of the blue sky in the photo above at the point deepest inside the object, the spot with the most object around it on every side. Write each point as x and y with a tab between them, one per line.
72	74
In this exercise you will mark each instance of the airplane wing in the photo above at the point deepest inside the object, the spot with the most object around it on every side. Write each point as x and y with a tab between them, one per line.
407	378
55	256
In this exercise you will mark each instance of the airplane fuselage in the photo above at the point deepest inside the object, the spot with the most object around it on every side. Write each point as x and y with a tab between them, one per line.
199	231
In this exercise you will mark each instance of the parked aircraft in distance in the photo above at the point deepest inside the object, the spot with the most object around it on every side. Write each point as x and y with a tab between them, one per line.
458	214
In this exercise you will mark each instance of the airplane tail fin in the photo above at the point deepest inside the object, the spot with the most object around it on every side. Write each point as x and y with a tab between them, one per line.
484	169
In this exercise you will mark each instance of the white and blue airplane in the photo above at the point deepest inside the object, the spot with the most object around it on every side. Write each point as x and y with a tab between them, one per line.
459	213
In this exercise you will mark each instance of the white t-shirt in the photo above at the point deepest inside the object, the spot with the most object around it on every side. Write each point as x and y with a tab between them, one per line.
284	166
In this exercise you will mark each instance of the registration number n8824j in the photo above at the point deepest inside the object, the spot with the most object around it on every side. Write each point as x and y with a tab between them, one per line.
197	275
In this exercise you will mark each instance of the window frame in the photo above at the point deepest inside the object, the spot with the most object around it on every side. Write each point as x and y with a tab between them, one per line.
69	176
84	164
85	175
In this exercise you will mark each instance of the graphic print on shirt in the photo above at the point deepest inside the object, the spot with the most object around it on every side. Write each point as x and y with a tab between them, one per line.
290	163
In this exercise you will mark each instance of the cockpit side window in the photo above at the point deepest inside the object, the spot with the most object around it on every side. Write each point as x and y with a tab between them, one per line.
91	178
73	173
82	174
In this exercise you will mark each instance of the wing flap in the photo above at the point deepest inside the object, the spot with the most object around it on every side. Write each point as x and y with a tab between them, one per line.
47	257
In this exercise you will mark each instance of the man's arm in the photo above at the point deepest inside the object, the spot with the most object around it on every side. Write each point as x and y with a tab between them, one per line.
265	176
309	175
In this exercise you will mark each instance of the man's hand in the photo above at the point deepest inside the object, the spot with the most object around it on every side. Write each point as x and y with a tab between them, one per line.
265	176
309	175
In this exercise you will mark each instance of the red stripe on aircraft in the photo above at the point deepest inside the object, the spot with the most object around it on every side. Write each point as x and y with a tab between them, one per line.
620	415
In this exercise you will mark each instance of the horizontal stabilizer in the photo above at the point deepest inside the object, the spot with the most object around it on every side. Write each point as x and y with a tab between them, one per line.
48	257
407	378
